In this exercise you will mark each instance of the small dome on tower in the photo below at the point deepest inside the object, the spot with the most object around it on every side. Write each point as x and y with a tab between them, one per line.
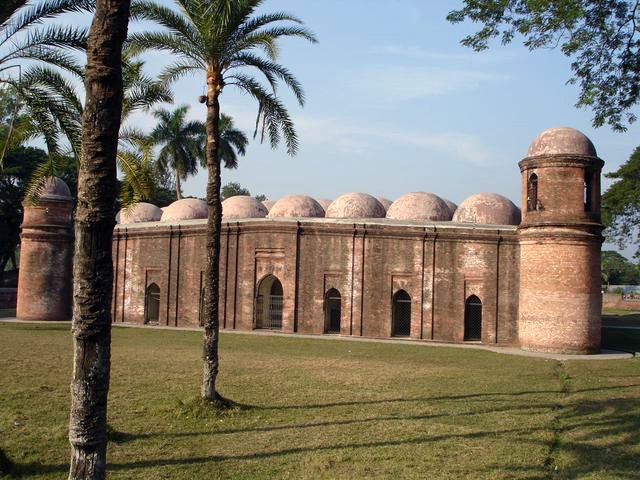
419	206
356	205
452	206
386	203
268	204
562	141
140	212
296	206
324	203
243	206
185	209
55	188
487	208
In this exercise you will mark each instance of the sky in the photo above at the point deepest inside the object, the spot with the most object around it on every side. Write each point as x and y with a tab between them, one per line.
395	104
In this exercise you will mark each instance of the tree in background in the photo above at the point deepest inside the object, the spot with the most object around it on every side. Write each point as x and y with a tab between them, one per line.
621	204
233	142
223	39
94	222
233	189
181	144
618	270
600	37
19	164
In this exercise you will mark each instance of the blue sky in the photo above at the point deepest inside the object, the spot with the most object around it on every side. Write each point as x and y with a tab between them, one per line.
395	105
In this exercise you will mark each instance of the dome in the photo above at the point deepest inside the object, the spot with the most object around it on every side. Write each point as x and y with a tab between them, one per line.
324	203
386	203
488	208
140	212
296	206
243	206
268	204
185	209
563	141
356	205
55	188
419	206
452	206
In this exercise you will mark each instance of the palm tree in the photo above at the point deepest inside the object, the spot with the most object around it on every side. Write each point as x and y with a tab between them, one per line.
223	39
181	143
92	264
49	49
233	142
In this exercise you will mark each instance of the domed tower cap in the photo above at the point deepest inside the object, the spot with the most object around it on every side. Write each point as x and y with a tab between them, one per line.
55	189
185	209
356	205
243	206
138	213
419	206
296	206
487	208
562	141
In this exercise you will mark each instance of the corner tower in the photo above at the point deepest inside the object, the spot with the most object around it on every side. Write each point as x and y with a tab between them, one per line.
44	279
560	238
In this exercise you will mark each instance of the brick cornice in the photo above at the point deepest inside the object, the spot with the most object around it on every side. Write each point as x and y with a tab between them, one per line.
545	161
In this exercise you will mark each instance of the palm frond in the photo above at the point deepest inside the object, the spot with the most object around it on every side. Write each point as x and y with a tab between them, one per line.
270	70
273	120
38	11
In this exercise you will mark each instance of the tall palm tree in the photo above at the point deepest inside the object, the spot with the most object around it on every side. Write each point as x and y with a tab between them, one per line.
182	143
92	264
224	40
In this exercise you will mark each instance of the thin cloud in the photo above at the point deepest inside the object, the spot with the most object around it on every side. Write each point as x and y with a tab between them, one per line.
362	140
402	83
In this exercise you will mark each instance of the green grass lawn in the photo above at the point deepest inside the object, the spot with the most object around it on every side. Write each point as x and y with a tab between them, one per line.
313	409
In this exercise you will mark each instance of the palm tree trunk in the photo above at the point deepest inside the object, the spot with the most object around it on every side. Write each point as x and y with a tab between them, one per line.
214	222
176	174
94	222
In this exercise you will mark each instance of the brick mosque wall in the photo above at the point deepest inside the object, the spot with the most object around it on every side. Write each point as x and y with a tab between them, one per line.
439	265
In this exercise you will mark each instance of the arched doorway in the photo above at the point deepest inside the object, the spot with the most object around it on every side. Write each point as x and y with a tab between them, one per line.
269	304
532	193
332	311
152	304
401	314
473	319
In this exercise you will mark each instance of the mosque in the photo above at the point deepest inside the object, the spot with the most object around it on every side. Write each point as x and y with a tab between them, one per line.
417	268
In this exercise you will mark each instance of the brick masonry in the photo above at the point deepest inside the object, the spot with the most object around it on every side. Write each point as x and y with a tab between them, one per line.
438	265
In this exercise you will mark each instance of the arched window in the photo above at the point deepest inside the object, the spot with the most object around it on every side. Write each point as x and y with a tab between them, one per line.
152	304
269	303
532	193
401	321
473	319
588	190
332	311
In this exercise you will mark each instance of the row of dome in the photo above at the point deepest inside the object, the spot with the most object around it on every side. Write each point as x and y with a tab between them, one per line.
482	208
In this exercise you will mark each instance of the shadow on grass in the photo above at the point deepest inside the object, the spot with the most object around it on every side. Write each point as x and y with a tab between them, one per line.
611	429
598	442
603	433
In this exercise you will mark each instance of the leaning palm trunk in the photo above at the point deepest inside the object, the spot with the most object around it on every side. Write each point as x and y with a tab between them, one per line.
214	222
93	269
